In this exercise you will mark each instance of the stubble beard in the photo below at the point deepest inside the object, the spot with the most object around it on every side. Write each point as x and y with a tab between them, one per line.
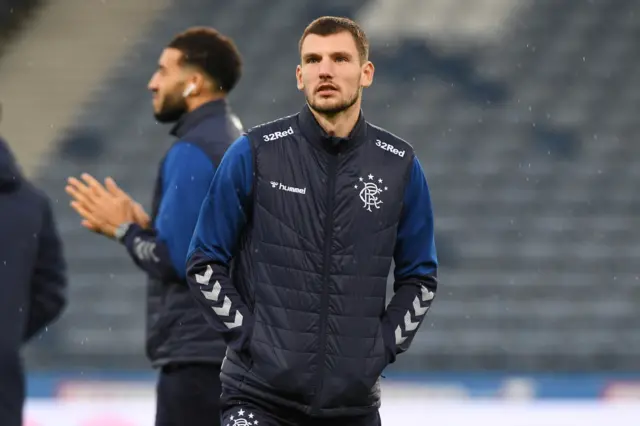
332	110
173	107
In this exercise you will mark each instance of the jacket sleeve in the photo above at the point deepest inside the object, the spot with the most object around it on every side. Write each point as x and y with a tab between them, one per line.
216	238
49	281
186	175
416	266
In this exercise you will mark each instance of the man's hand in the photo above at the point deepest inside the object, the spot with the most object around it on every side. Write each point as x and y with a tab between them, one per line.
139	215
101	210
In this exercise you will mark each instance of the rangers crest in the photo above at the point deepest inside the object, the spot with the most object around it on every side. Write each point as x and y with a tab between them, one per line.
370	189
243	418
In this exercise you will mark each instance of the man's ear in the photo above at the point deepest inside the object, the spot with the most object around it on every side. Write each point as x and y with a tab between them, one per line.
196	83
366	79
300	83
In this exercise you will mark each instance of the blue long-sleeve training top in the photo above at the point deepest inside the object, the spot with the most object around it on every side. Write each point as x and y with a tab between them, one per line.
186	175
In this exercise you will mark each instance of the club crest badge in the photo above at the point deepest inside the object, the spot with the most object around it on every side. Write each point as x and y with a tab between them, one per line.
243	418
369	188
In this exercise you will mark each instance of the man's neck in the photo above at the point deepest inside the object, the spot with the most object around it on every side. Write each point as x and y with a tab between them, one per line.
195	103
341	124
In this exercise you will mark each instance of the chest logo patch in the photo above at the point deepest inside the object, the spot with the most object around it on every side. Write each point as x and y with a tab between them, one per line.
369	189
282	187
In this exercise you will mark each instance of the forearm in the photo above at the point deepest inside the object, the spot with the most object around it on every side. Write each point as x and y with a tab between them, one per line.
149	253
215	241
406	311
416	268
222	305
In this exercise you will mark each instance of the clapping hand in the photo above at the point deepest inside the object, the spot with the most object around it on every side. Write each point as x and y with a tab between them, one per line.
104	208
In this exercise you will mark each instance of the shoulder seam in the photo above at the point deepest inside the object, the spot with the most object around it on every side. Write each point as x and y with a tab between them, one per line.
273	122
193	144
395	138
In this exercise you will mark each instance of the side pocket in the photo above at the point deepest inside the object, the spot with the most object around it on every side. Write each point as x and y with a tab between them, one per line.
389	339
375	363
249	351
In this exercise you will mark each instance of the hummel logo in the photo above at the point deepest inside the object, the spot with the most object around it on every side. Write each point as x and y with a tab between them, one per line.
281	187
277	135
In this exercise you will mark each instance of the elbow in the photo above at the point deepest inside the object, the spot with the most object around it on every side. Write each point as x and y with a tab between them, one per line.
196	262
57	305
47	312
165	272
57	310
58	299
425	274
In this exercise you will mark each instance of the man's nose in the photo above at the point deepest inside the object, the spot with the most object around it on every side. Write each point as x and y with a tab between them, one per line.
152	85
326	68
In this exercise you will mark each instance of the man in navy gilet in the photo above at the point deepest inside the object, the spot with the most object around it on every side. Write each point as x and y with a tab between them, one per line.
195	73
294	243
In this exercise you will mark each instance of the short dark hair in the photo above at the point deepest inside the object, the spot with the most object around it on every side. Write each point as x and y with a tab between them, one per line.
212	53
328	25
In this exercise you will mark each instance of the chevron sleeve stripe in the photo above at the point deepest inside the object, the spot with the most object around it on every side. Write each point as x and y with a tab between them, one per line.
149	253
223	307
222	218
413	317
416	266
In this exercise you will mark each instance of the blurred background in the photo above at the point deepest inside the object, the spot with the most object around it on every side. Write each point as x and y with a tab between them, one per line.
523	113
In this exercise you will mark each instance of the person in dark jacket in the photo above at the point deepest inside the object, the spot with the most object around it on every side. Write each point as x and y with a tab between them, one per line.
195	74
294	243
33	279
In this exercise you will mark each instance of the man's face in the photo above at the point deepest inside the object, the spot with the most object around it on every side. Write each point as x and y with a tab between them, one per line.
331	74
167	85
